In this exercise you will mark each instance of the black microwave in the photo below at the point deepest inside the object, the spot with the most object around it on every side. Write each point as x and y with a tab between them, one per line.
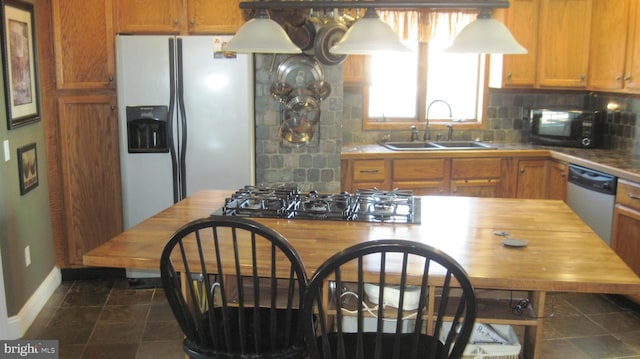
569	128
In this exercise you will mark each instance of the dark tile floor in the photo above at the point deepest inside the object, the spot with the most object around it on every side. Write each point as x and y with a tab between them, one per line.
109	319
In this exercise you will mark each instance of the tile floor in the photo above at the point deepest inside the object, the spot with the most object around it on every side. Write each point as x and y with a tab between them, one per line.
97	319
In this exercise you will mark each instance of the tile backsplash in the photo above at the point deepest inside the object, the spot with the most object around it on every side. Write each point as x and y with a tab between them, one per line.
507	119
317	166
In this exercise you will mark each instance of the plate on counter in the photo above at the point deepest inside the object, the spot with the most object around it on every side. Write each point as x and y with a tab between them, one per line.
514	242
300	71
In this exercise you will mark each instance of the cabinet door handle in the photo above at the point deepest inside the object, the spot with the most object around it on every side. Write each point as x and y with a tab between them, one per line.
369	171
522	170
633	196
627	77
176	22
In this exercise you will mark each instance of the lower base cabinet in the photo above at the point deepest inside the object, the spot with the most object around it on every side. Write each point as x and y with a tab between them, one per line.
557	180
476	177
625	239
423	176
531	180
365	174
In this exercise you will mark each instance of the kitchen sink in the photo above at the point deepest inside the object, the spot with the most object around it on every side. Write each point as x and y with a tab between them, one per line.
410	146
463	144
437	145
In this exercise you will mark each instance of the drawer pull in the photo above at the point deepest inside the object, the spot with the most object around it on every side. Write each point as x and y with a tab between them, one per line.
369	171
633	196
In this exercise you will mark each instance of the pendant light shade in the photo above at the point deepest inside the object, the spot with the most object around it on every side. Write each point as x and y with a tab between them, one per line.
486	35
262	35
368	36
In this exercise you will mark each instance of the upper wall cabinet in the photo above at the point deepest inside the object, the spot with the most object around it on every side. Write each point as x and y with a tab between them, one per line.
615	52
178	16
609	29
522	19
354	71
83	43
632	65
563	44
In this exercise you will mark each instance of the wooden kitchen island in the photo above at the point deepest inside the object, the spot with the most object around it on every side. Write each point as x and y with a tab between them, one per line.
563	254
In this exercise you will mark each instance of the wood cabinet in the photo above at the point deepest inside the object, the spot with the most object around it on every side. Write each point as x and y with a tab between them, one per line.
557	180
572	44
354	71
632	64
476	177
500	176
625	239
76	45
178	16
615	52
83	40
439	175
563	43
531	179
368	173
423	176
522	20
88	132
609	31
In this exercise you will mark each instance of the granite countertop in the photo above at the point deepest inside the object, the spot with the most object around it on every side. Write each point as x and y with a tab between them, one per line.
622	164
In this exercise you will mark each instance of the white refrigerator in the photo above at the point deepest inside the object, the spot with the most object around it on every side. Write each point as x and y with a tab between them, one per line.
186	120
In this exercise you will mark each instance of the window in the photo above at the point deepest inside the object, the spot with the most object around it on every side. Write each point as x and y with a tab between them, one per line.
403	85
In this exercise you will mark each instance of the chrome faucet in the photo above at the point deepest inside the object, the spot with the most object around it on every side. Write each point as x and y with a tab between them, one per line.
449	132
427	135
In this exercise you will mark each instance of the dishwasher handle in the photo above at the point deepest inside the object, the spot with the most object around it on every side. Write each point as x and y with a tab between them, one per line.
592	179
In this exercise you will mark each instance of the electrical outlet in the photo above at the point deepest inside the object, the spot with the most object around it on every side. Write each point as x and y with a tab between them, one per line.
27	256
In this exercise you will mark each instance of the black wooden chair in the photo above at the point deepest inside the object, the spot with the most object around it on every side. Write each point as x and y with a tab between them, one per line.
371	301
236	289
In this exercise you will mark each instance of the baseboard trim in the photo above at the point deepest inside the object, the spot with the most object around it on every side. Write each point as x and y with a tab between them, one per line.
18	324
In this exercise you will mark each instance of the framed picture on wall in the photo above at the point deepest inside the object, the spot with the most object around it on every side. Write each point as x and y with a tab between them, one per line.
19	63
28	168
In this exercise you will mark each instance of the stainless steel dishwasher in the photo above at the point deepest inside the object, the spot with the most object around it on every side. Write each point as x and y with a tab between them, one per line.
592	194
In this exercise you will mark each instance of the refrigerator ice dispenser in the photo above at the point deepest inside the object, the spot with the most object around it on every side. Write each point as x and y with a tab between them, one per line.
147	129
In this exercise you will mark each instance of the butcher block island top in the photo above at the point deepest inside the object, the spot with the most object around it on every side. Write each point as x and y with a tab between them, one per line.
563	253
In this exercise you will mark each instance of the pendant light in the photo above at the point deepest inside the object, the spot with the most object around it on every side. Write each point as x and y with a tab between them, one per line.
367	36
486	35
262	35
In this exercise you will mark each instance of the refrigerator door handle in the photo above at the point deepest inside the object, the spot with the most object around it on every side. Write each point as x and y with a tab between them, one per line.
183	123
171	125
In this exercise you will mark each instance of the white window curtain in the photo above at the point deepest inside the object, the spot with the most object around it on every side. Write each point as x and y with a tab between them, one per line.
421	25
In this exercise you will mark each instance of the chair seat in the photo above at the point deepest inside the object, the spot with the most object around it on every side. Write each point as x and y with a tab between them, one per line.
235	263
395	268
388	341
281	350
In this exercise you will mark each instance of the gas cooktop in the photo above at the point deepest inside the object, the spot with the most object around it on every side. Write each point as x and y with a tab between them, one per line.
288	201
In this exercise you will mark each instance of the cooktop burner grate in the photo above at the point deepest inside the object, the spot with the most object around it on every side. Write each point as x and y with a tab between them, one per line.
287	201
